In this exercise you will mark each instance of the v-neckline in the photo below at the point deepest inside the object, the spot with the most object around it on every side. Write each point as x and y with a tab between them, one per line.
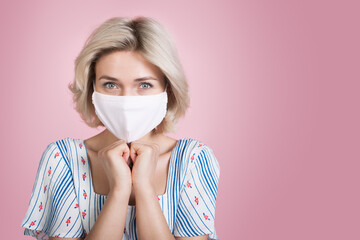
170	168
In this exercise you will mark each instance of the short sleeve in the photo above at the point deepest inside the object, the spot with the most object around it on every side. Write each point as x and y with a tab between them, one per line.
53	208
196	209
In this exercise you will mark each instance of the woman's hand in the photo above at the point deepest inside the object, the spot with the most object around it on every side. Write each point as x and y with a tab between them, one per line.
114	159
144	157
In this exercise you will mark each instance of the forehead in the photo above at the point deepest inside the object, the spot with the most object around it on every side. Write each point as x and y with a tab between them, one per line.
125	64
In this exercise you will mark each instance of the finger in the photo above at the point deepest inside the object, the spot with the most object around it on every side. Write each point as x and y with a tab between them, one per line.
126	156
153	148
133	153
117	148
124	151
138	148
113	145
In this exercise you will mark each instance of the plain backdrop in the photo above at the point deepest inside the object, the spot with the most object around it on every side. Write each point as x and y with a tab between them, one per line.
274	87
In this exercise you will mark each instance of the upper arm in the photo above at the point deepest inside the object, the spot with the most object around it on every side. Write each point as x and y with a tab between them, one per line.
195	215
53	209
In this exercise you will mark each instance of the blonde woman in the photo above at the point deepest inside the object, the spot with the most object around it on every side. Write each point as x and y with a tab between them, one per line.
130	181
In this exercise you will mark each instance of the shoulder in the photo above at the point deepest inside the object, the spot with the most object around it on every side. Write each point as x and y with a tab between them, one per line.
63	153
52	169
59	154
193	145
67	144
60	162
63	144
197	154
70	149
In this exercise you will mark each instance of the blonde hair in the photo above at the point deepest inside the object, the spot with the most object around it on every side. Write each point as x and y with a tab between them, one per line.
146	36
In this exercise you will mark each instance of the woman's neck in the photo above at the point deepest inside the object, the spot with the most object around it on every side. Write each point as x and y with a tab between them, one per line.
106	138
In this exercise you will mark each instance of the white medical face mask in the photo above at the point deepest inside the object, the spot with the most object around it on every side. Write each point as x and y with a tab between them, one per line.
130	117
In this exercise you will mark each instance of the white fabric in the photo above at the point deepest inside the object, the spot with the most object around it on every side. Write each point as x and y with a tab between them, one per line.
130	117
63	202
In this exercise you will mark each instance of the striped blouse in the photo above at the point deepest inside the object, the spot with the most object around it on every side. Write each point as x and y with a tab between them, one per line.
63	202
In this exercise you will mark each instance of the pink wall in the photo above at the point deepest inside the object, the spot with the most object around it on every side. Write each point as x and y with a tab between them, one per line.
274	92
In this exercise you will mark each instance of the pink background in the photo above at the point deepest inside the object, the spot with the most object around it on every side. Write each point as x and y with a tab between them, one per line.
274	91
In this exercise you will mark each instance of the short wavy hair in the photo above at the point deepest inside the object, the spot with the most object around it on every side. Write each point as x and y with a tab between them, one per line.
146	36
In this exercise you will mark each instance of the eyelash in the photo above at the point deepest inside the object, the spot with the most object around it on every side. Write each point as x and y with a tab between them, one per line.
150	85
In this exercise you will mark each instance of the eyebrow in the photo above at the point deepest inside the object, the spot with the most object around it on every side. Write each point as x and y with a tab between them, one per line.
137	79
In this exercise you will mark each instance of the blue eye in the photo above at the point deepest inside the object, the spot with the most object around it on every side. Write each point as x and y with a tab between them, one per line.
111	84
147	85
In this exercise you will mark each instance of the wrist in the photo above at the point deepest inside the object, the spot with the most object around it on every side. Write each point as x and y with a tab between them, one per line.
124	191
144	187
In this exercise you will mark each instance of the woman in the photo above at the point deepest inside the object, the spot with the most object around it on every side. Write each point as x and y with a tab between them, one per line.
130	181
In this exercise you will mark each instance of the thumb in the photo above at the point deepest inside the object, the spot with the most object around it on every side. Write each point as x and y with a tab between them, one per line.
133	153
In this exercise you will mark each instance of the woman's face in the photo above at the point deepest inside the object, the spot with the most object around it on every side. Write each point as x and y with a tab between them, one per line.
127	73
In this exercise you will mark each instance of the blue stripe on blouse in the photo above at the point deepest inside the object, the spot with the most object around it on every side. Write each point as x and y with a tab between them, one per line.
68	207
